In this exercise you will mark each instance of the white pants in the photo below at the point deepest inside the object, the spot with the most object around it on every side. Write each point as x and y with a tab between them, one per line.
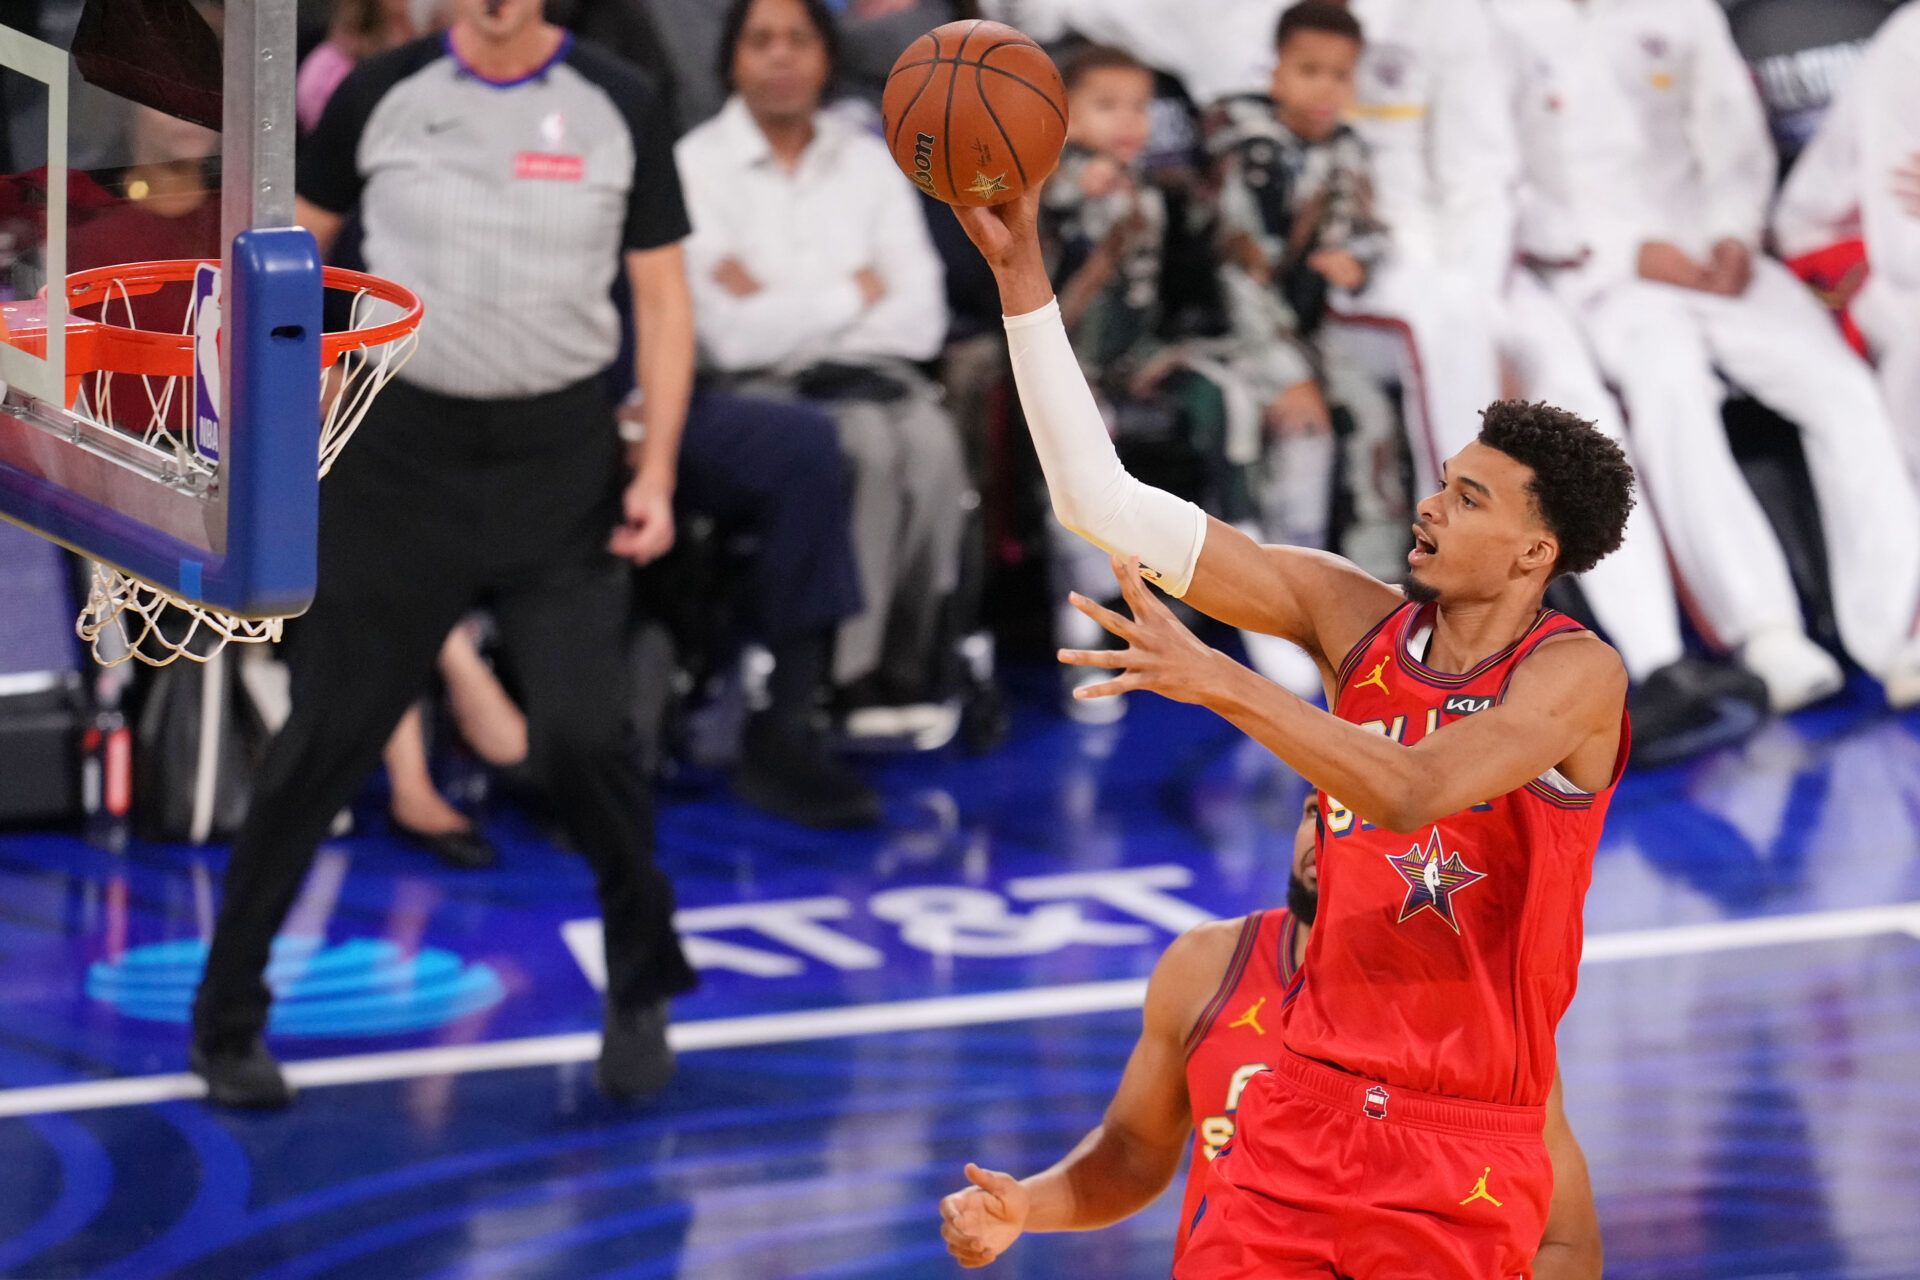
1661	345
1889	317
1448	365
1631	590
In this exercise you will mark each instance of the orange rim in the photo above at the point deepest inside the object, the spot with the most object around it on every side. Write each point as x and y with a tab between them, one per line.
171	354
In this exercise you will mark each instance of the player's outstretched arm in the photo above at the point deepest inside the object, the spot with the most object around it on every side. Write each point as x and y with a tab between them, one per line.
1570	1245
1319	601
1128	1159
1562	711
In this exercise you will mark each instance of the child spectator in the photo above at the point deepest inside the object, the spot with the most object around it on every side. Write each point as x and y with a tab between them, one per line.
1297	221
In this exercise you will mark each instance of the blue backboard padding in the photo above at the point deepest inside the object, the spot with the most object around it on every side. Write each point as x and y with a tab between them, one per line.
272	447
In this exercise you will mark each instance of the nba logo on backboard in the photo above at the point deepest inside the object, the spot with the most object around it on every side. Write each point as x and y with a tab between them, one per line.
206	361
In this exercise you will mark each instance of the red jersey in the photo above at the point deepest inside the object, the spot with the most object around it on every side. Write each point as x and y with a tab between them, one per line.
1442	960
1232	1040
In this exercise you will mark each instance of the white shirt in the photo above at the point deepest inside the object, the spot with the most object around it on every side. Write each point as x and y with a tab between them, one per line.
1430	102
803	235
1888	94
1819	203
1638	121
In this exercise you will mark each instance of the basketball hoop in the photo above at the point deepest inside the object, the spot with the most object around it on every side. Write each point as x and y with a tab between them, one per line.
135	618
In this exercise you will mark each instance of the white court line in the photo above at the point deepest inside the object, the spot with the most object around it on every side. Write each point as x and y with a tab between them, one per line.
900	1015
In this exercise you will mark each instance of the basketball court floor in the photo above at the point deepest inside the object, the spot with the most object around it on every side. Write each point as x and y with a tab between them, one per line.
1742	1062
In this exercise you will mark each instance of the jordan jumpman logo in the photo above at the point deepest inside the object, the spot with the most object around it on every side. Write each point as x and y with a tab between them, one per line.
1251	1018
1376	677
1480	1192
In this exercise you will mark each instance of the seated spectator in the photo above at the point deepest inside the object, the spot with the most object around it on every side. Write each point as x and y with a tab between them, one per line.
1297	222
360	29
489	723
1848	219
1649	173
814	279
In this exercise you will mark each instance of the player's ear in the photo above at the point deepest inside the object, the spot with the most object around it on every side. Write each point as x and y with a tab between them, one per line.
1540	553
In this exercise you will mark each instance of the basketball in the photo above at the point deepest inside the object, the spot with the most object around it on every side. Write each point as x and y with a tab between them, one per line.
975	113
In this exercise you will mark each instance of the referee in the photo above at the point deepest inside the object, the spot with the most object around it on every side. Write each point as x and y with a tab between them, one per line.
506	174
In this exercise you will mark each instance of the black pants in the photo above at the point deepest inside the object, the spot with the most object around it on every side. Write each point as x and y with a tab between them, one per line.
437	505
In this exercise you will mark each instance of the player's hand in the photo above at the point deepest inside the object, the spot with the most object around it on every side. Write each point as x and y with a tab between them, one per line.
647	533
1731	269
1342	269
980	1222
1300	410
1004	233
732	275
1161	656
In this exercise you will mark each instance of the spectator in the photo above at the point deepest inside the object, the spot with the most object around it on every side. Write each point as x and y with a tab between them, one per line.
1852	204
1649	173
1297	222
814	279
490	468
359	29
491	725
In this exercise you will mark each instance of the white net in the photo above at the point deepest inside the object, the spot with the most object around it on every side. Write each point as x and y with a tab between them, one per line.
127	619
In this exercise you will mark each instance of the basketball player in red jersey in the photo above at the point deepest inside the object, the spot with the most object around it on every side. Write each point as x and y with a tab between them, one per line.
1211	1020
1474	745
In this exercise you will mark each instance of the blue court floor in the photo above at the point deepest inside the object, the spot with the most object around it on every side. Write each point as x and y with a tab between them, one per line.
1742	1062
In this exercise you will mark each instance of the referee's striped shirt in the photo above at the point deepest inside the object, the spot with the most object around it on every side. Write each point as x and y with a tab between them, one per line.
505	205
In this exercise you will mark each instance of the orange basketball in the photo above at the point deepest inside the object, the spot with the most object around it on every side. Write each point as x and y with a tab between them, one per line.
975	113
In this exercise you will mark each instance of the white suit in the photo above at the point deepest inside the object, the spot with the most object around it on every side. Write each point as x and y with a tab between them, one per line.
1842	187
1639	122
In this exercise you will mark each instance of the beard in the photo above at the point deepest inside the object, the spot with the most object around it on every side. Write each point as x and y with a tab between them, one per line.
1301	901
1421	593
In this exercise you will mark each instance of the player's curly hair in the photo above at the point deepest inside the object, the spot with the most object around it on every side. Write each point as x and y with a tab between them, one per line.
1582	482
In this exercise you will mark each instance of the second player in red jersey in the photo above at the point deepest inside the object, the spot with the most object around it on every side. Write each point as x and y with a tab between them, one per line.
1209	1030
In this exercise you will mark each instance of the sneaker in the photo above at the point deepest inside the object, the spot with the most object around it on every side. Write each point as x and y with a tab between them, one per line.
1692	706
251	1080
1903	678
790	772
635	1059
1797	671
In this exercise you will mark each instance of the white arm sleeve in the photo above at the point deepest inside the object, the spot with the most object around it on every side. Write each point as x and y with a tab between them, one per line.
1092	493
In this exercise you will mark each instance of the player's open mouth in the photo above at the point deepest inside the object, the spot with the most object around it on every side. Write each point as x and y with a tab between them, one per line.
1424	548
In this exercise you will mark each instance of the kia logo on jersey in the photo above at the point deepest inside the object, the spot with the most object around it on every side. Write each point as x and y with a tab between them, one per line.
1461	704
541	166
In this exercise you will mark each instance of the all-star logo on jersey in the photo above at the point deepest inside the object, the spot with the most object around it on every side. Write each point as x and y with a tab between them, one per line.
1433	877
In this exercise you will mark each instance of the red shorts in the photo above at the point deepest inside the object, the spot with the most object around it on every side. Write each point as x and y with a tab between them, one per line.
1332	1175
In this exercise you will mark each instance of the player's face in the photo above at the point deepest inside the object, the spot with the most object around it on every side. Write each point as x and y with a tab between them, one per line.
1479	532
780	68
1303	878
1313	82
498	19
1109	112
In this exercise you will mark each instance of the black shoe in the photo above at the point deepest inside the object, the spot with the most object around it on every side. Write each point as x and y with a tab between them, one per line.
789	771
1691	706
468	850
251	1080
635	1059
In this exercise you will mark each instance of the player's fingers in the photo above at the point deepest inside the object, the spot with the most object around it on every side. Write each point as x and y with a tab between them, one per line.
1134	588
1107	688
1116	659
1116	623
